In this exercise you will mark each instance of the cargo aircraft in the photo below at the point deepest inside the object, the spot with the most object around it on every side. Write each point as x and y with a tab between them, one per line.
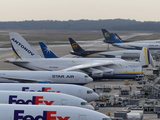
109	40
75	90
124	54
45	112
42	98
116	41
98	68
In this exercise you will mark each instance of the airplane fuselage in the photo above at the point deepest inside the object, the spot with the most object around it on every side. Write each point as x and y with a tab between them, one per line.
150	46
119	70
46	76
75	90
125	54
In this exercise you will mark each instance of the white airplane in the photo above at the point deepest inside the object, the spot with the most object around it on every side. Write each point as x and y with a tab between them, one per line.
97	68
115	40
45	76
42	98
44	112
75	90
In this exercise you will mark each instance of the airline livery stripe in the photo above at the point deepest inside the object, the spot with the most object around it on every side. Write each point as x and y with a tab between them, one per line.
129	73
15	53
149	59
146	55
94	54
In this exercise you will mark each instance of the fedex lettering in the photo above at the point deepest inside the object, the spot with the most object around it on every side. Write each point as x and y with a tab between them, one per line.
22	46
44	89
47	115
36	100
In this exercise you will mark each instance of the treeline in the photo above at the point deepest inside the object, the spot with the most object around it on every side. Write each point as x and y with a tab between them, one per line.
110	24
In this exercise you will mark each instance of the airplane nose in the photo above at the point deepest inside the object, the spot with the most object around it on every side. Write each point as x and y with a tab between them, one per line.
90	79
90	107
95	96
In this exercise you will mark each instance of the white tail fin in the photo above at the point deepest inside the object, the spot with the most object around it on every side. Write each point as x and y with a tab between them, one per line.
21	48
146	58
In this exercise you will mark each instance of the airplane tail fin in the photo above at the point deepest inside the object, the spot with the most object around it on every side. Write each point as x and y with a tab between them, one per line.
107	36
115	38
75	46
146	58
21	48
47	52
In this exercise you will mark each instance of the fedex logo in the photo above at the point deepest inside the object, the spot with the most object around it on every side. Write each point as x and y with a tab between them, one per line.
47	115
44	89
36	100
22	46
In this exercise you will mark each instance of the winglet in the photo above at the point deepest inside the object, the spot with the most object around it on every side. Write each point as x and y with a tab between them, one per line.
146	58
75	46
47	52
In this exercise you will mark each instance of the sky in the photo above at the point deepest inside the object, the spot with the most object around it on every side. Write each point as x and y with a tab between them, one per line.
20	10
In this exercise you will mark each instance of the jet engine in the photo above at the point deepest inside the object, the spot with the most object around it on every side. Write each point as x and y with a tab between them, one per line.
108	72
97	73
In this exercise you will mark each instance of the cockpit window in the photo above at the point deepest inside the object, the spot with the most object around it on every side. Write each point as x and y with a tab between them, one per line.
84	103
85	76
106	119
89	91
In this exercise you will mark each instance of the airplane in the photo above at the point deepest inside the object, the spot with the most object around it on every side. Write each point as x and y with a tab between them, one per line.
45	77
75	90
77	50
116	41
109	40
97	68
45	112
42	98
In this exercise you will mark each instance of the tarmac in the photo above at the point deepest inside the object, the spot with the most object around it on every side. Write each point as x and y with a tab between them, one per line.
63	51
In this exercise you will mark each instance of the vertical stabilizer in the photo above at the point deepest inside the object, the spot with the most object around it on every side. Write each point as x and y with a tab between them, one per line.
146	58
75	46
21	48
115	38
47	52
107	36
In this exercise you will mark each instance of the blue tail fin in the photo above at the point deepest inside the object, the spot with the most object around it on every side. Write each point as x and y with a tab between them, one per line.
116	38
47	52
107	36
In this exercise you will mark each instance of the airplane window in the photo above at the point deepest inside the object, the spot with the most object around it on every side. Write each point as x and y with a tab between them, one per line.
86	76
84	103
89	91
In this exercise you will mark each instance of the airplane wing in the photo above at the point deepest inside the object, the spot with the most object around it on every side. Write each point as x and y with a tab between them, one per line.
15	60
89	65
24	80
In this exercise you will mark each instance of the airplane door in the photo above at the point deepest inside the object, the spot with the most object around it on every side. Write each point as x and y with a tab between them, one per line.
80	93
64	102
82	117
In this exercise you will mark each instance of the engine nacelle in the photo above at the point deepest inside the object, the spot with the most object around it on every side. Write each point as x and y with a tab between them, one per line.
97	73
108	72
